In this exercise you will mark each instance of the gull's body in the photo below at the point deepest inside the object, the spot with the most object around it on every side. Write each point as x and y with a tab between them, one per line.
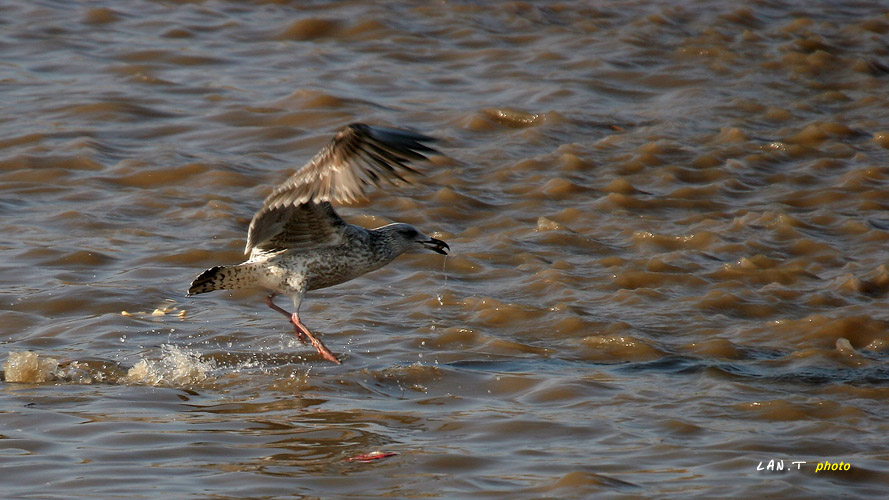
297	242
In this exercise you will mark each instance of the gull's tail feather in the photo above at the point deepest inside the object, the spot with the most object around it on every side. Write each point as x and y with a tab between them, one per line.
224	278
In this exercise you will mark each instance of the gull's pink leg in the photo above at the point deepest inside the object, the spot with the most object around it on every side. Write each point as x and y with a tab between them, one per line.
296	330
302	332
322	349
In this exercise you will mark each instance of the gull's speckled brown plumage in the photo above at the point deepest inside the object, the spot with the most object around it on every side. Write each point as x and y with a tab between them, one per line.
297	242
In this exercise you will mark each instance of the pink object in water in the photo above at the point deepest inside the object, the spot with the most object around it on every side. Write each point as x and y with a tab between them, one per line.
370	457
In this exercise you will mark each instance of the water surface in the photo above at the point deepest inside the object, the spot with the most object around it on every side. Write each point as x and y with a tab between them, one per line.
669	231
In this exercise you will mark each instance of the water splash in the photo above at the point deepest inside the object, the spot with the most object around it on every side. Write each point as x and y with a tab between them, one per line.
176	367
30	368
444	284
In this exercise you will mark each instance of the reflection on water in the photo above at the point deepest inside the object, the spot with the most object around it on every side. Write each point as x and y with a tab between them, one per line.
669	250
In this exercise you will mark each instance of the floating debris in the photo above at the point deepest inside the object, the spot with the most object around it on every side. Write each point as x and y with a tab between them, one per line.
370	457
157	312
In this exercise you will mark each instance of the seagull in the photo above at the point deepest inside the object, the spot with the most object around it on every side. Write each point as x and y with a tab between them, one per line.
296	242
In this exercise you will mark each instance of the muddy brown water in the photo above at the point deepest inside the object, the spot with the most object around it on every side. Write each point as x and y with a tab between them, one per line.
668	221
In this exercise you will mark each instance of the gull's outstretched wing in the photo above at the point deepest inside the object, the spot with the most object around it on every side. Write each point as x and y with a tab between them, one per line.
297	214
306	226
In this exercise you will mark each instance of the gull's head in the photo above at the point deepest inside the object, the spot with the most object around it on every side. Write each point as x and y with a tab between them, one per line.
410	239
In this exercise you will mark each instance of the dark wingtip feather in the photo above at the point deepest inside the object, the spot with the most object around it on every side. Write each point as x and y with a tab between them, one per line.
401	137
205	282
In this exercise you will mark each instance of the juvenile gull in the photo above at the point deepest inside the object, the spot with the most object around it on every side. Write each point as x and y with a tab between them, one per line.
297	242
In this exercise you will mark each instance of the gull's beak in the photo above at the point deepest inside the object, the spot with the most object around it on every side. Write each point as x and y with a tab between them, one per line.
436	246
